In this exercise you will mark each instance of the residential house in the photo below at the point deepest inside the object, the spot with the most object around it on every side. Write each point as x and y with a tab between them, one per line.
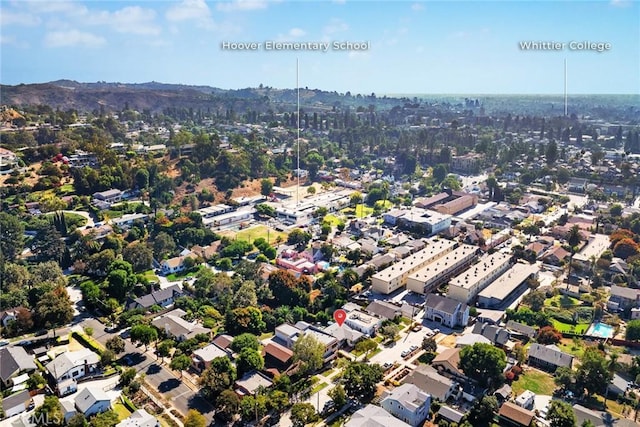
618	386
513	415
202	357
17	403
408	403
447	363
384	310
139	418
503	393
277	356
207	252
92	400
13	362
548	357
175	264
9	315
287	334
69	367
109	196
497	335
223	341
447	311
344	334
362	322
555	255
163	298
449	414
526	399
623	298
374	416
251	382
427	378
521	329
471	339
175	326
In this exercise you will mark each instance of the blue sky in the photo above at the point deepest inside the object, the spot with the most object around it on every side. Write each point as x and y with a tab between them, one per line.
415	47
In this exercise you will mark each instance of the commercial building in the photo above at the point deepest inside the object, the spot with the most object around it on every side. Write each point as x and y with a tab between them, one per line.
508	285
466	286
395	276
441	269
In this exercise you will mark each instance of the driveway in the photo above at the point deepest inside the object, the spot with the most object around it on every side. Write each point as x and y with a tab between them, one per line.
157	376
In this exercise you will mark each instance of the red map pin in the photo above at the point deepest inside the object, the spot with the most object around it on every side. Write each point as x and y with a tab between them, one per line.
340	316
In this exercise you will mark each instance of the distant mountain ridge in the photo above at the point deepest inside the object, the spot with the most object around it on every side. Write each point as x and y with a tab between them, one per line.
156	96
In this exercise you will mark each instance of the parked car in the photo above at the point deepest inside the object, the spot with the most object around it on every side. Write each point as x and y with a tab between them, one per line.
4	342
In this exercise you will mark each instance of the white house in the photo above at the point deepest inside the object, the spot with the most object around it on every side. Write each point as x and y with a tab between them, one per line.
17	403
408	403
140	418
92	400
447	311
68	367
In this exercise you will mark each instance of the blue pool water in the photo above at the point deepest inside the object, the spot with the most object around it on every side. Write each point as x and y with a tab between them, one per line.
601	330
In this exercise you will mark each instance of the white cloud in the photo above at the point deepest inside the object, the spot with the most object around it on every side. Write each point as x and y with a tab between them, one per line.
241	5
25	19
135	20
191	10
620	3
12	41
335	26
72	38
296	32
416	7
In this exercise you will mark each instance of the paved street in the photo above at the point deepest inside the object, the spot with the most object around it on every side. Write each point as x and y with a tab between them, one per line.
158	376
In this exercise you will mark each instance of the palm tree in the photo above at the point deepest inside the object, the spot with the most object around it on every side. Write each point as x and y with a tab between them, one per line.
612	366
573	239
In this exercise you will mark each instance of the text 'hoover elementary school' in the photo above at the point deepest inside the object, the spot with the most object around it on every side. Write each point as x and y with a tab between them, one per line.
270	45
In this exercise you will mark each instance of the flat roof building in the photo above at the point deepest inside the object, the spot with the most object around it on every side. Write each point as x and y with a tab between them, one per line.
506	285
395	276
440	270
466	286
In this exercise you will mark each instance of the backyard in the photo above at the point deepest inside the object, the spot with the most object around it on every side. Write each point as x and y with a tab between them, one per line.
536	381
253	233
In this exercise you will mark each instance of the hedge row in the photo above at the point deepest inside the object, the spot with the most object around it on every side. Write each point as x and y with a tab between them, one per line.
88	342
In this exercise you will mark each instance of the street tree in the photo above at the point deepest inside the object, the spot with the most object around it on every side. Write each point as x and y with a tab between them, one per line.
194	419
338	395
360	379
303	413
115	344
144	333
180	363
219	376
560	414
227	405
366	346
12	236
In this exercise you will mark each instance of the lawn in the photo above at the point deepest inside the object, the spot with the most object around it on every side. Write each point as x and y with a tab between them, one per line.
568	346
333	220
563	301
253	233
318	387
66	189
360	211
174	277
536	381
579	328
121	410
150	275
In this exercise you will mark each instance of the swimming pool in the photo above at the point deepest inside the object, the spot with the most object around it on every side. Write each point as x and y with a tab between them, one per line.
601	330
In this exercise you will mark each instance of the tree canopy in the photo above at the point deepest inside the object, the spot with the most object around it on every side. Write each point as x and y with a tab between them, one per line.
483	363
